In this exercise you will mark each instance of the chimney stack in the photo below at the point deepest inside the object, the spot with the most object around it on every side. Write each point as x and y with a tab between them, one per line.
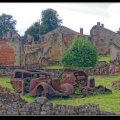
98	24
81	31
102	25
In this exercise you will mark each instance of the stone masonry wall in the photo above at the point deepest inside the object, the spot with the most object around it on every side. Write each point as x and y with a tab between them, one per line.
114	47
102	68
30	48
13	104
113	52
32	54
102	38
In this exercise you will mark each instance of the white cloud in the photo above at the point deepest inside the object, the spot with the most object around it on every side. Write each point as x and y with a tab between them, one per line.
113	22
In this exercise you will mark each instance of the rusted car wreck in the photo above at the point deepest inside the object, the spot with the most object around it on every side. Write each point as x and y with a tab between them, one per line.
41	83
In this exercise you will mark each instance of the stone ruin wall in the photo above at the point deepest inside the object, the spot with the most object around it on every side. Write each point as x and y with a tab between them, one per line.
33	58
102	68
104	38
13	104
55	44
10	52
115	47
50	47
30	48
113	52
32	54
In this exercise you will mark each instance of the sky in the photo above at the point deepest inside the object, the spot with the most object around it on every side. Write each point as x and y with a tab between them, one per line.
74	15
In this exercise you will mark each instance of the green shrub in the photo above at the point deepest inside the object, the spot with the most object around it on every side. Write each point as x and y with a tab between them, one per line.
82	53
78	92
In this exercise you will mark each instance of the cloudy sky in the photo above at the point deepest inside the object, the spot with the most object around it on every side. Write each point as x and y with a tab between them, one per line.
74	15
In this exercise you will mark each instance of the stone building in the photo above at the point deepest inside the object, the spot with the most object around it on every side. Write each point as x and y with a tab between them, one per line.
30	40
101	37
115	48
54	43
11	49
51	46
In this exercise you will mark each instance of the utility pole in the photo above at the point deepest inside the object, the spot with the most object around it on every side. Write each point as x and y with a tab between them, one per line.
39	28
40	45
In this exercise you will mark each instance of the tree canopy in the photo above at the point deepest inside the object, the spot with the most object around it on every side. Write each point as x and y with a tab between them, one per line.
118	32
6	23
49	20
82	53
33	30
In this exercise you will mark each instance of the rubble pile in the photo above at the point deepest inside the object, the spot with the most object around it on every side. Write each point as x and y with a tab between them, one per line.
13	104
116	85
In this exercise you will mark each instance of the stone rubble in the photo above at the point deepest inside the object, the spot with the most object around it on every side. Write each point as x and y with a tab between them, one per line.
13	104
116	85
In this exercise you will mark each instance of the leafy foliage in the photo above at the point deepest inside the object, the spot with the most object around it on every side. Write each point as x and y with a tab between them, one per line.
78	92
118	32
33	30
80	54
6	23
49	20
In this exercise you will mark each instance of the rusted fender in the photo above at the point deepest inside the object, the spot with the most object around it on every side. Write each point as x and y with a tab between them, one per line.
33	84
46	89
67	89
71	79
17	85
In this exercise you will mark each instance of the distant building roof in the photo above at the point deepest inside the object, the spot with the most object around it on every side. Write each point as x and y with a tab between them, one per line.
65	30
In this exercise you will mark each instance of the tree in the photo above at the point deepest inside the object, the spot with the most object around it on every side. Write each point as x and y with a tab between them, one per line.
82	53
6	23
49	21
118	32
33	30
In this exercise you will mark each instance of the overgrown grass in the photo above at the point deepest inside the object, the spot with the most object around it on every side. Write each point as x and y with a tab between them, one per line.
100	58
108	102
104	58
54	67
5	82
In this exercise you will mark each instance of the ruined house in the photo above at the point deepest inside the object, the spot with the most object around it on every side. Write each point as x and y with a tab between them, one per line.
11	49
30	40
54	43
13	52
101	37
115	48
51	46
32	52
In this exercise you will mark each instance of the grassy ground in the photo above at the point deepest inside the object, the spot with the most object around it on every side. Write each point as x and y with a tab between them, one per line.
54	67
104	58
108	102
100	58
5	82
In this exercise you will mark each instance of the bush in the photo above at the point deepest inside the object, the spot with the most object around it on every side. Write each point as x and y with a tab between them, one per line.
82	53
78	92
